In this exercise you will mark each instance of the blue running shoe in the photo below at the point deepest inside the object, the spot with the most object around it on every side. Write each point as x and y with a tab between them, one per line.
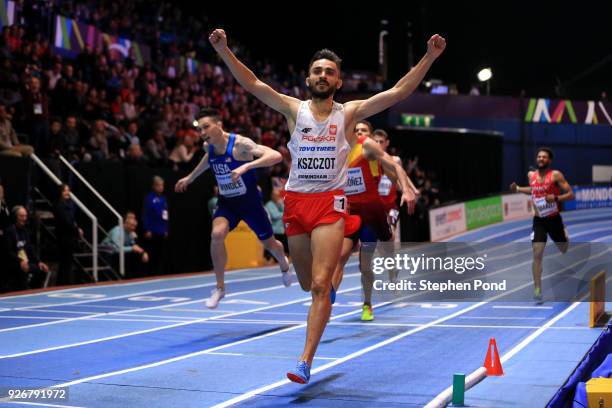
301	374
332	295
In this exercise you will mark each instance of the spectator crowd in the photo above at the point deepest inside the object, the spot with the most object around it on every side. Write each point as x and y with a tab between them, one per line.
95	107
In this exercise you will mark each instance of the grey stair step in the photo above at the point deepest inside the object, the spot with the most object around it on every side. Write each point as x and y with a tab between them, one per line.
100	268
42	214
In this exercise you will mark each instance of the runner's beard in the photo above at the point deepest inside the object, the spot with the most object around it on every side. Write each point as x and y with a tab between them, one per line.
321	94
543	166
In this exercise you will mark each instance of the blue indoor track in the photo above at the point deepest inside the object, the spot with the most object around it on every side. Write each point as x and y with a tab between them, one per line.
153	343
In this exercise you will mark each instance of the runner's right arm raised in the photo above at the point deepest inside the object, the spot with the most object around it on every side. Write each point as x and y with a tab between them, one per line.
284	104
182	184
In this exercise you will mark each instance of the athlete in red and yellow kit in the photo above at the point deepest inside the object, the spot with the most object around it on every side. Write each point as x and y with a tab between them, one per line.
366	162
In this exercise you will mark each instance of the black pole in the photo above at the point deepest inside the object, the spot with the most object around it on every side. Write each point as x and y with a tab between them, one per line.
522	129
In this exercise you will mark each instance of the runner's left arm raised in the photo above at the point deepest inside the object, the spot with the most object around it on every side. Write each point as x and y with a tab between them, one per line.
363	109
561	182
373	151
255	154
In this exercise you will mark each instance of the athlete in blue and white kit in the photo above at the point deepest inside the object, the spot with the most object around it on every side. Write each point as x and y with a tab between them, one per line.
233	159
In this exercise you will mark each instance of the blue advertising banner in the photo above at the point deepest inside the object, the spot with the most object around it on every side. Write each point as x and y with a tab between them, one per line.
590	197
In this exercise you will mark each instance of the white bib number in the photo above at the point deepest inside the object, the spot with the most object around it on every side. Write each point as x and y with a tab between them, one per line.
384	187
228	188
355	183
340	203
544	208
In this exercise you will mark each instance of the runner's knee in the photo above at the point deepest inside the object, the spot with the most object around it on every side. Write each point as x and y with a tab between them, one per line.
538	253
320	290
218	235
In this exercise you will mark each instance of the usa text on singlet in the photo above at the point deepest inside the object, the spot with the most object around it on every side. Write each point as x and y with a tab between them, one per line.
222	166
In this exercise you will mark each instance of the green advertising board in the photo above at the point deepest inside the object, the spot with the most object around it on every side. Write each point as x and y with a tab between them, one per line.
483	212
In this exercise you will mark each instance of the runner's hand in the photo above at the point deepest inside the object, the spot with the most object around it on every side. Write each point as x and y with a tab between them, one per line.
218	39
409	199
237	173
436	45
182	184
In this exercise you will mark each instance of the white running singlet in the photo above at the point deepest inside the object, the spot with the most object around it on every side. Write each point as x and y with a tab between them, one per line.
319	152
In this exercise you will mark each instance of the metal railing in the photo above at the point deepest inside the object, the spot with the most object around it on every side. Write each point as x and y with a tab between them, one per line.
94	220
110	207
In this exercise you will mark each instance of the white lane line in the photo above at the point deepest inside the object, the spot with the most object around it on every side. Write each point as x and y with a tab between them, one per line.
183	323
351	356
442	399
573	234
180	304
263	355
122	311
522	307
227	354
502	318
148	292
304	313
32	317
201	352
526	224
356	354
256	321
422	327
93	316
365	324
138	320
194	275
62	311
208	310
162	316
184	310
602	239
97	307
587	232
538	332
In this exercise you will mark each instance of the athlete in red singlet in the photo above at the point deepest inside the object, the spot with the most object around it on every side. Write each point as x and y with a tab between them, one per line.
366	162
545	187
387	188
321	133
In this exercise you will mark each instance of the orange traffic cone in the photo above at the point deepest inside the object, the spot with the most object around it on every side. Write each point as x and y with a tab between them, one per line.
492	362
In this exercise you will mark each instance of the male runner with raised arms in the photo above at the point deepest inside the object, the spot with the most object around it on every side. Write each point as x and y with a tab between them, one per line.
315	204
548	188
233	159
